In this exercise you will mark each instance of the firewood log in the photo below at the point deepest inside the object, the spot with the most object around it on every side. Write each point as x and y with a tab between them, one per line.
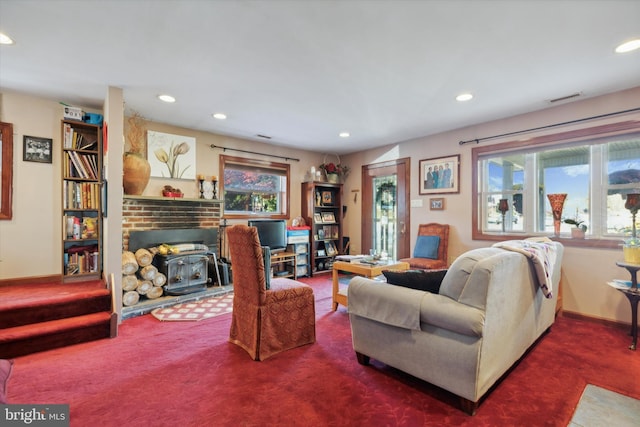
144	257
130	298
155	292
159	279
144	286
129	263
129	282
148	272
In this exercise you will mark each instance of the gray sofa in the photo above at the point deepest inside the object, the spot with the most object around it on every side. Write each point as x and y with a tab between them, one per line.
489	310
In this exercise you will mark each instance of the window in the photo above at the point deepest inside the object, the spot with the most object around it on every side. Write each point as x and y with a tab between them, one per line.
253	188
595	167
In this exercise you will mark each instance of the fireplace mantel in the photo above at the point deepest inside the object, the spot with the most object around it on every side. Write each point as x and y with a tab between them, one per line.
172	199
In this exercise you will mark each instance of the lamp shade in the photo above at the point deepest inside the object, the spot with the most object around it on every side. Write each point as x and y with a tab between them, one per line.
503	206
633	201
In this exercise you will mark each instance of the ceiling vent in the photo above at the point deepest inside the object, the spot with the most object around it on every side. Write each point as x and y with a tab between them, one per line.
263	136
565	98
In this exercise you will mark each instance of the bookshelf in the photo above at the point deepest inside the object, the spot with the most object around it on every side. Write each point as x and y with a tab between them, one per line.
322	210
81	200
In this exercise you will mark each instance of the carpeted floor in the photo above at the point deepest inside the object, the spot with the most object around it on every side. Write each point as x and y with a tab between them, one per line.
599	407
188	374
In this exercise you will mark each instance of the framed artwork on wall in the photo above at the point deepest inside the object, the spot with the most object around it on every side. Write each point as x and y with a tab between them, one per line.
440	175
37	149
436	204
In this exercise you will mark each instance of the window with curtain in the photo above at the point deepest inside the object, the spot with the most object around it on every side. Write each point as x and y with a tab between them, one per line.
595	172
253	188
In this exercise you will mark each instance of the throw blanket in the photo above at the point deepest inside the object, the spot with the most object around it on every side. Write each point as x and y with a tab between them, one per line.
543	256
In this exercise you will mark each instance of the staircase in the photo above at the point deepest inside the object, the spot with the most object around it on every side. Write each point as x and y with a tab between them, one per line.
43	316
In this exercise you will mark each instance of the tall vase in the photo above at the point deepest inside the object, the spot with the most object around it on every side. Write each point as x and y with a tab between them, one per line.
135	174
557	202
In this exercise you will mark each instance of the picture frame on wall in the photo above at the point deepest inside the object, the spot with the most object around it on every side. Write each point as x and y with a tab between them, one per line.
440	175
436	204
36	149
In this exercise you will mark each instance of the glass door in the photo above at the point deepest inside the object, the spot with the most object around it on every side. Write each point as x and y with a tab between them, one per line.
385	200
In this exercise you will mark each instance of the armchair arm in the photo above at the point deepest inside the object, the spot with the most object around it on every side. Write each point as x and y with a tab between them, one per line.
444	312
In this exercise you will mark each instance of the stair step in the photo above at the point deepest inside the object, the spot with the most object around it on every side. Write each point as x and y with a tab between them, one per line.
26	339
24	312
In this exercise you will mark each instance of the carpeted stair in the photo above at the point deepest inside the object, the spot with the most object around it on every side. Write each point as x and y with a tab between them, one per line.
45	316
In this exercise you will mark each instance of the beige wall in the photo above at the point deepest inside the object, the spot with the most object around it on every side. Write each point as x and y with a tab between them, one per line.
586	270
30	245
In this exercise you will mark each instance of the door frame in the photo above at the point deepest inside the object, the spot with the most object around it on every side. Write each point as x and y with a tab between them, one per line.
403	202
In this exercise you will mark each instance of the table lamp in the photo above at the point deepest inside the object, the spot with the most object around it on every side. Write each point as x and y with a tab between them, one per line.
503	207
633	204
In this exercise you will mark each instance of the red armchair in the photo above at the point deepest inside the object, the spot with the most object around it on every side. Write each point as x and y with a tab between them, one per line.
266	321
437	259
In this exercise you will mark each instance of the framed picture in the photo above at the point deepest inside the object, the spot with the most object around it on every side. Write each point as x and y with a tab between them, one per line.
331	249
317	217
328	217
327	198
320	252
321	234
37	149
440	175
436	204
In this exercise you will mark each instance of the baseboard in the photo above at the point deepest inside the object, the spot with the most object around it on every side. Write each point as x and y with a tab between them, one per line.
31	280
598	320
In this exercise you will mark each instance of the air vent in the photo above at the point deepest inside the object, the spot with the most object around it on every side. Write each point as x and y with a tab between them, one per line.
263	136
565	98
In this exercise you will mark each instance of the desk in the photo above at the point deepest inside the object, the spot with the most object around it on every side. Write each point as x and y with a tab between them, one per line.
633	295
365	270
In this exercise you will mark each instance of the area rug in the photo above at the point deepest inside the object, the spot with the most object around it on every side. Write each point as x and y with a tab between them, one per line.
602	407
196	310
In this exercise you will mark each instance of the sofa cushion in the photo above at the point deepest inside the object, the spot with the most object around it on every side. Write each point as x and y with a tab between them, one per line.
422	280
5	371
427	247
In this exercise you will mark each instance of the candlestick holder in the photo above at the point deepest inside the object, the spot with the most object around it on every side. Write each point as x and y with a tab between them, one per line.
214	183
201	186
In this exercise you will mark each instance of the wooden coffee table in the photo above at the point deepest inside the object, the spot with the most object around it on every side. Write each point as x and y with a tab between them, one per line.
366	270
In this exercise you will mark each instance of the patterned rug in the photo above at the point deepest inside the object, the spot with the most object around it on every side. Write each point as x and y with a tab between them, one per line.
196	310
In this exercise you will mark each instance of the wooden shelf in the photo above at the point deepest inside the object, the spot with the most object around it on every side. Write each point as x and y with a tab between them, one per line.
173	199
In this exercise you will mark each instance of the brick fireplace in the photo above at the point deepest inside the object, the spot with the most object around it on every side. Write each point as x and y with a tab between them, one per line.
141	213
155	214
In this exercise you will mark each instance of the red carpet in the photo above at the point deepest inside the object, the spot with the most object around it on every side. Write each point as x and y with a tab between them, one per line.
187	374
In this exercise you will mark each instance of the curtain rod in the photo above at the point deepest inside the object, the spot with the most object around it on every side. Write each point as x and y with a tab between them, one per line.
477	140
254	152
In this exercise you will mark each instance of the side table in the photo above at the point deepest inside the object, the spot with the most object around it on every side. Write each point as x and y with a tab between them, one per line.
633	295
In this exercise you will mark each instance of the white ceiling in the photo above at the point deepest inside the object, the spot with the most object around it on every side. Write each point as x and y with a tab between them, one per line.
303	71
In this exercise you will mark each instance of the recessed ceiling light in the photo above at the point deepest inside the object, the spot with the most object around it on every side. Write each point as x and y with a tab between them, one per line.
628	46
5	39
345	134
220	116
464	97
167	98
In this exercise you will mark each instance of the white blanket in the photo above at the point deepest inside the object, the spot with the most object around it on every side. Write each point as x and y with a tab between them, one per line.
541	253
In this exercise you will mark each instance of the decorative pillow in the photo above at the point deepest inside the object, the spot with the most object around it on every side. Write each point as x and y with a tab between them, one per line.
266	256
5	371
427	247
423	280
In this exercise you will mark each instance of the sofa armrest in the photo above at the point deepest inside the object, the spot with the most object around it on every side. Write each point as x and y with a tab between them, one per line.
389	304
444	312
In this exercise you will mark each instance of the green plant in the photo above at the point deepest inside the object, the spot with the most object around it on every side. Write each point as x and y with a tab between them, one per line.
577	223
